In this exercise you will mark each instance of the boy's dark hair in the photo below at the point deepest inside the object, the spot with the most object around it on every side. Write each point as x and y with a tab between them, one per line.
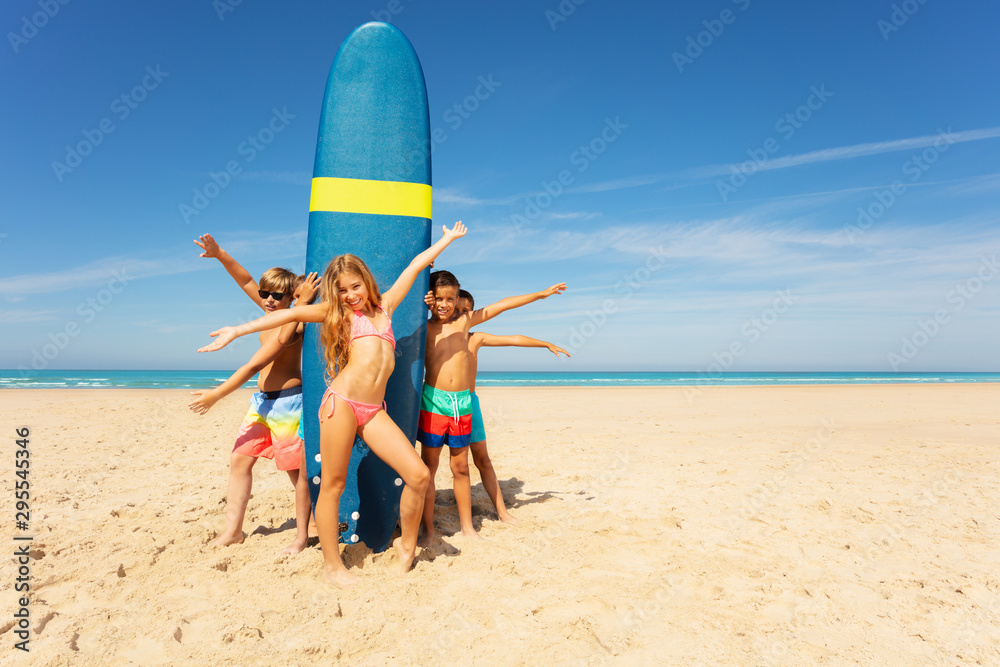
462	294
444	279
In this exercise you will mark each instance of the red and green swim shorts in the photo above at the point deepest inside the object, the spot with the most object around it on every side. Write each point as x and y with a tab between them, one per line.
445	418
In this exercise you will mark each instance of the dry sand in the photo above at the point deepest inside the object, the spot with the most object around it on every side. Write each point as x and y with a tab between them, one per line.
722	525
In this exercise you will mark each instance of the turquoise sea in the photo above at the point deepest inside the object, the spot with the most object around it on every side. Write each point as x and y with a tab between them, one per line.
49	379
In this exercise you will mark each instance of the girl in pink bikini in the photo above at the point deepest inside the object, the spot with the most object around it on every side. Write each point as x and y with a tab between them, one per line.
359	345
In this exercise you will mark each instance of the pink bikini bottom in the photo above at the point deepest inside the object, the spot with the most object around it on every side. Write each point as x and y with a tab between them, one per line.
363	412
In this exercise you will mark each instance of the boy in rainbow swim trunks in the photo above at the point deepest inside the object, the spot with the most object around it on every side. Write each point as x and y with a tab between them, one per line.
446	400
271	428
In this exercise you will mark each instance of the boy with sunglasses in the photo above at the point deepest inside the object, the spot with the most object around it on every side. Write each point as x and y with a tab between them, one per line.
271	427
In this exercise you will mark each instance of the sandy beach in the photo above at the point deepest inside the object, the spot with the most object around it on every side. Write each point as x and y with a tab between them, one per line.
718	525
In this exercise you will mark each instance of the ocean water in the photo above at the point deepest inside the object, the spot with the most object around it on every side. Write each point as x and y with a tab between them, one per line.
49	379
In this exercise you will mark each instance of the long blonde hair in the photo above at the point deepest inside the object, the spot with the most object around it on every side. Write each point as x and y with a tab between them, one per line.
335	333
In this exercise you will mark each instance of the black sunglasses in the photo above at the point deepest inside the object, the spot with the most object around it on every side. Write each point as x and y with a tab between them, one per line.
278	296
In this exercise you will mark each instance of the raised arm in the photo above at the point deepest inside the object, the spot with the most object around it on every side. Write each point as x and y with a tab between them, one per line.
395	294
235	269
225	335
303	295
490	340
307	289
209	397
494	309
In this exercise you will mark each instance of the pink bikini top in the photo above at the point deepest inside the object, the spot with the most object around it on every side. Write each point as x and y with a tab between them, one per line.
362	327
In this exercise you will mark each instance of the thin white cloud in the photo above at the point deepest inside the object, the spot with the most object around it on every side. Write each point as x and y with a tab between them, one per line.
117	270
979	185
455	196
788	161
16	316
573	215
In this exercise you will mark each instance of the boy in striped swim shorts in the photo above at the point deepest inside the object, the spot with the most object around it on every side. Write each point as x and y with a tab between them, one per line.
446	400
271	426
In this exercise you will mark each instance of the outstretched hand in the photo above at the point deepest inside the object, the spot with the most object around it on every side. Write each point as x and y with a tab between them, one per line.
555	289
223	337
208	244
555	349
204	402
458	231
306	291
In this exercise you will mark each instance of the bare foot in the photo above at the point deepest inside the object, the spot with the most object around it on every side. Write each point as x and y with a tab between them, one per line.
340	577
405	557
471	533
295	547
508	519
426	540
225	540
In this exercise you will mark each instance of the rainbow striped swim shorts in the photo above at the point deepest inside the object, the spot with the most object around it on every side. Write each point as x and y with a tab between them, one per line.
445	418
271	428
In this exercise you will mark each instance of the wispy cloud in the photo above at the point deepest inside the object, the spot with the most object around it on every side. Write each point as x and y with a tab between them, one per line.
15	316
101	272
789	161
573	215
979	185
455	196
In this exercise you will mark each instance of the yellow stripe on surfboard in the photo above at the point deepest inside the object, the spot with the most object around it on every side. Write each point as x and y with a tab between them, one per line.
355	195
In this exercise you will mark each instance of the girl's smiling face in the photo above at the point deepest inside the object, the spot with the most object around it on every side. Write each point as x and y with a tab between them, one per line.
352	291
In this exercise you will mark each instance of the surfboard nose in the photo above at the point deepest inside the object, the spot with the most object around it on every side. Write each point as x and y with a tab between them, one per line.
375	110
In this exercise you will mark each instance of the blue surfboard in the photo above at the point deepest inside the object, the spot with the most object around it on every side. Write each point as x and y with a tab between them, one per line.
371	197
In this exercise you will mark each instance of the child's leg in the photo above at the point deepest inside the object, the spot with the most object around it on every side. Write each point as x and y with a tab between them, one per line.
336	436
481	458
303	508
463	489
237	497
430	457
390	445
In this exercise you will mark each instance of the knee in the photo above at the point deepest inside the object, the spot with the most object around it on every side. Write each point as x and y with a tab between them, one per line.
419	479
460	466
482	460
241	464
332	483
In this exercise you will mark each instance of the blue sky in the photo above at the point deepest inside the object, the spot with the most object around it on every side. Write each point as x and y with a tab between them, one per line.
726	185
